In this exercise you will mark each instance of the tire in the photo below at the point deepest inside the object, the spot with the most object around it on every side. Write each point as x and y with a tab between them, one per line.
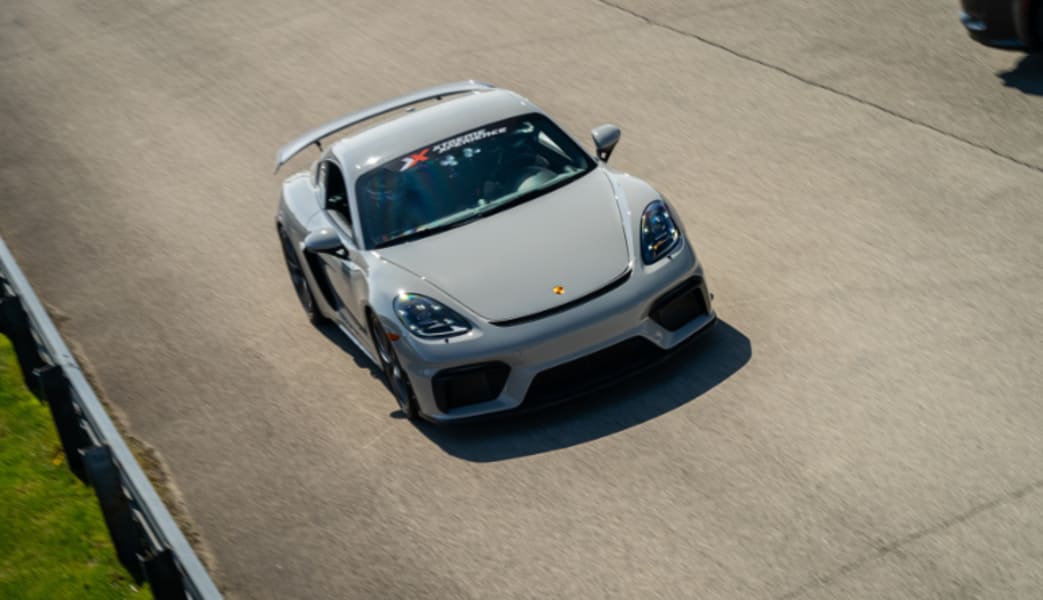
395	375
300	281
1039	27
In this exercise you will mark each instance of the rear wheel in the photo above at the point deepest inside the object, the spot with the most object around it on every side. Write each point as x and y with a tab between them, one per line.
299	280
397	379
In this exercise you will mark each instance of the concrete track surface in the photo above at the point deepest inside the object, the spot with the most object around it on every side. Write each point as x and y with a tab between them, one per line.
863	183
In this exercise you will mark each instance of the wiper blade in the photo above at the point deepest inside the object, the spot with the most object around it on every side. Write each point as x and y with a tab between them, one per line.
529	195
406	238
426	232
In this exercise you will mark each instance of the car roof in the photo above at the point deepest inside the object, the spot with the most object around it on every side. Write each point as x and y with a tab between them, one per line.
414	129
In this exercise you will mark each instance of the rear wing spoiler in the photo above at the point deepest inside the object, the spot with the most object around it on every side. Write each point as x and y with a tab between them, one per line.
435	93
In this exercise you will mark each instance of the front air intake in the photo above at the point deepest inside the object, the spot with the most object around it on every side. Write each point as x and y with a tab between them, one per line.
680	305
470	384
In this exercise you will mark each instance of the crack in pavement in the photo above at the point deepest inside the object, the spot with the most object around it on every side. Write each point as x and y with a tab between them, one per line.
886	549
816	84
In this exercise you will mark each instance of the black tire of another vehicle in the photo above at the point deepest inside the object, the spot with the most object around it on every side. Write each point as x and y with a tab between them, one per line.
1039	27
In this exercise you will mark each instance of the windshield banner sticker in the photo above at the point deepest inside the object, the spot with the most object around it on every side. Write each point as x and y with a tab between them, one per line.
441	148
467	138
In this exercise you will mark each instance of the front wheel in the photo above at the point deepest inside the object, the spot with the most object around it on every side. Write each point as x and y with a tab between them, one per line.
397	379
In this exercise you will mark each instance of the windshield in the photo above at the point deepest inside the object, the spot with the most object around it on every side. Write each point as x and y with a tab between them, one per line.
466	177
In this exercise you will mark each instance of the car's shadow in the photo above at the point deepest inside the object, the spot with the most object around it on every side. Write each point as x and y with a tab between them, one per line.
1026	76
678	381
335	335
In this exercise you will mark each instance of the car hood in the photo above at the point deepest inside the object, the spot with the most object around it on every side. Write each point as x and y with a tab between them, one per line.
508	265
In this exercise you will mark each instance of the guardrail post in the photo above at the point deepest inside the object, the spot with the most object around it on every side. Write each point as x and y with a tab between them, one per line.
54	387
105	479
163	576
14	323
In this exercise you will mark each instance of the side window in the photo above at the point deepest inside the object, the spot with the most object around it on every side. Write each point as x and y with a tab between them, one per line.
336	191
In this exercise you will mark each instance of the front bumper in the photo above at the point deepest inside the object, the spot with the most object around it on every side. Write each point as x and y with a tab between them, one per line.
552	359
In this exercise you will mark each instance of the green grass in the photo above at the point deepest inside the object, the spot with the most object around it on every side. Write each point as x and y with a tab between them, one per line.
53	541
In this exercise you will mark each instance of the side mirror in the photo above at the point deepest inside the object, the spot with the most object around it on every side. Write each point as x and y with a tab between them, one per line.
322	240
605	139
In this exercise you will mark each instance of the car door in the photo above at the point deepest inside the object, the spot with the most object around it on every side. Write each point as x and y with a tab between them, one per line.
345	269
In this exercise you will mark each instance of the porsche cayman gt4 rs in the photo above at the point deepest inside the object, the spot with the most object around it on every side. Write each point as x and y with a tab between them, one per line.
482	258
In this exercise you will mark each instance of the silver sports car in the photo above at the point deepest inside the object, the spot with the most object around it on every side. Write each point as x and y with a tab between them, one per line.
482	258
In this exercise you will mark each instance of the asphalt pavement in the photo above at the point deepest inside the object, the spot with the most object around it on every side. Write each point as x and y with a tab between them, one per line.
863	183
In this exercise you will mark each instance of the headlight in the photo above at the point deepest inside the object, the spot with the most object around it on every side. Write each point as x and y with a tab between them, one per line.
425	318
659	234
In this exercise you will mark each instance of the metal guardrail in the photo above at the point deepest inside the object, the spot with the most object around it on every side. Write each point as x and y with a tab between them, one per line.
148	542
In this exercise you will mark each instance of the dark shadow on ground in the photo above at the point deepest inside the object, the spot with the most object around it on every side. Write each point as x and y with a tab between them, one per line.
1026	76
335	335
681	379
